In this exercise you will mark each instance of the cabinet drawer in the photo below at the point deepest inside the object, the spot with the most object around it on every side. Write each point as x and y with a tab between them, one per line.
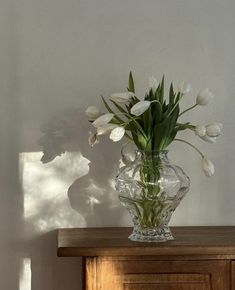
162	275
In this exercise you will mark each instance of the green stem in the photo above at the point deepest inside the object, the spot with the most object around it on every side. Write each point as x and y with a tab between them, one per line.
139	128
128	136
190	108
175	105
194	147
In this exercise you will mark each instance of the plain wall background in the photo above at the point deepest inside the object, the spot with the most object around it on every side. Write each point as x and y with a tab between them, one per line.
59	56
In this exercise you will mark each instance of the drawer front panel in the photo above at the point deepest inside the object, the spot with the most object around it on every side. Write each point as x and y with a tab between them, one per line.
159	275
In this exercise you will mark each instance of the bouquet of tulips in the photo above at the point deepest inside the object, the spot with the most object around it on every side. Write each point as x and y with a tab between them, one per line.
152	122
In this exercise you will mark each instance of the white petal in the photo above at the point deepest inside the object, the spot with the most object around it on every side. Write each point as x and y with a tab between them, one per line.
214	130
140	107
121	97
208	167
92	140
153	84
103	120
208	139
117	134
200	130
204	97
92	112
105	129
184	88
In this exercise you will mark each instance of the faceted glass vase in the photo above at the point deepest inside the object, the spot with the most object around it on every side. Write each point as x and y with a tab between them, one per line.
151	188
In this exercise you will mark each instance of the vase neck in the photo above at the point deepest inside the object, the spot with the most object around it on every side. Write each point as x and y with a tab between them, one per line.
161	155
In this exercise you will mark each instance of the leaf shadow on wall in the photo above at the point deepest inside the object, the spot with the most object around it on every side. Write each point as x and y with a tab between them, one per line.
92	195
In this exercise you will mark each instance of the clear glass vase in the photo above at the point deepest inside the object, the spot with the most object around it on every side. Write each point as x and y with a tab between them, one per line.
151	188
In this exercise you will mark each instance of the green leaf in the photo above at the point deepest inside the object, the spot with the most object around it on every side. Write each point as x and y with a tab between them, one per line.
147	121
160	134
156	112
110	110
121	109
177	98
157	93
163	132
171	96
142	141
131	83
151	95
161	95
172	125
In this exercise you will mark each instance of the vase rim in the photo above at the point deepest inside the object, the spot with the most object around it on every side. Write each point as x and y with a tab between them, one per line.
163	151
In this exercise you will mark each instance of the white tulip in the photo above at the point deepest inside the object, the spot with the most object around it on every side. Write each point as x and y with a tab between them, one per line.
92	113
103	120
208	167
200	130
184	88
105	129
92	140
204	97
117	134
153	84
122	97
140	107
208	139
214	130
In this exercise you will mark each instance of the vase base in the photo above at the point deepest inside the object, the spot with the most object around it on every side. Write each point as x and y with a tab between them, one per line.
160	234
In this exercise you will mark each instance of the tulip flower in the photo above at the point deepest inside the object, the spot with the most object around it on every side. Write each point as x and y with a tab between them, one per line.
140	107
200	130
208	167
92	140
153	84
184	88
92	113
204	97
208	139
105	129
122	97
103	120
214	130
117	134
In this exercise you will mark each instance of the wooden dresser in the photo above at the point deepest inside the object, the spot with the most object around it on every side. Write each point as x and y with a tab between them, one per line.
200	258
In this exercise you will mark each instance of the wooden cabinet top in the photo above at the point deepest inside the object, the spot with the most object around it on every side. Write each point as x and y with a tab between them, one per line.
89	242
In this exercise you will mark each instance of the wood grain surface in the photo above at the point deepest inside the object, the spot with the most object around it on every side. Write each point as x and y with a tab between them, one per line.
216	242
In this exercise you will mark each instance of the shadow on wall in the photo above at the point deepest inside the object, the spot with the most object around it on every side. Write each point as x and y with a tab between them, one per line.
92	193
74	190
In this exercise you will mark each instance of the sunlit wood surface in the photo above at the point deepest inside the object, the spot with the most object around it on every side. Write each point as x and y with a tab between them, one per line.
200	258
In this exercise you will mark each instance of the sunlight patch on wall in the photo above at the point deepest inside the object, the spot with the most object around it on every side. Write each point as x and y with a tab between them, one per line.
45	187
25	275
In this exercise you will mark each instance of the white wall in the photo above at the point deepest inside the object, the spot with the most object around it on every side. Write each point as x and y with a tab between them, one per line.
56	55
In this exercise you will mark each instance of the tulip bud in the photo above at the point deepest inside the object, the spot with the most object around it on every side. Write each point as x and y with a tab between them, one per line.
121	97
200	130
208	167
140	107
117	134
153	84
103	120
214	130
208	139
105	129
92	113
184	88
92	140
204	97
